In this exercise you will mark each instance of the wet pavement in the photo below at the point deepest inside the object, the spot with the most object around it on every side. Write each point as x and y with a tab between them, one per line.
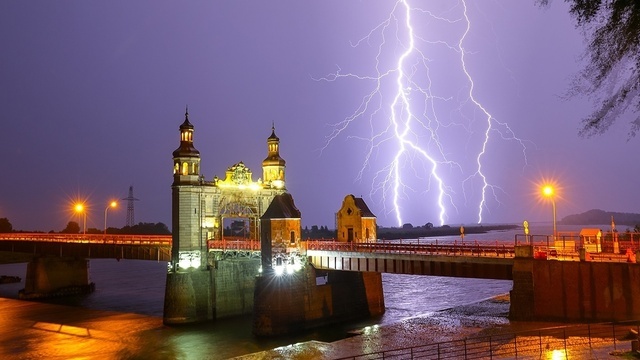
485	318
34	330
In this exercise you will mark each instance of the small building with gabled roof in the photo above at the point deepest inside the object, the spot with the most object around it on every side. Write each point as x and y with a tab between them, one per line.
280	227
355	222
591	239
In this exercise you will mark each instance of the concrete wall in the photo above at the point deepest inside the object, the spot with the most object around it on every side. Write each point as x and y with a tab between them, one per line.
575	291
189	297
281	231
49	276
234	283
285	304
224	290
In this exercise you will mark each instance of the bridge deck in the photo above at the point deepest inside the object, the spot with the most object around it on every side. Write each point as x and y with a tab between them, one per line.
141	247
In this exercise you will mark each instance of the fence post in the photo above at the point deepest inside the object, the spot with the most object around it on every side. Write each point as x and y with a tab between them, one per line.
465	347
490	350
540	339
614	335
564	335
589	331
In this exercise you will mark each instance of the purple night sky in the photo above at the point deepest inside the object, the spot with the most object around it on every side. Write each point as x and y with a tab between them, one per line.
92	95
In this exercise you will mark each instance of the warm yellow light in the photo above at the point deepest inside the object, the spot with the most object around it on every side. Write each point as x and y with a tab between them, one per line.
547	191
113	204
79	208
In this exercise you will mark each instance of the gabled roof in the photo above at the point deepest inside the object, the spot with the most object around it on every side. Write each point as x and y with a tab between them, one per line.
589	232
282	207
364	209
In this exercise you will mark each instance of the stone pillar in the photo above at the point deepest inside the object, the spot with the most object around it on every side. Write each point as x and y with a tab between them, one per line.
279	303
52	276
291	302
522	293
189	297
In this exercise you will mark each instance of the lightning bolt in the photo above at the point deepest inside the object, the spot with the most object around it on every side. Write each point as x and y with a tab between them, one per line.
505	132
410	129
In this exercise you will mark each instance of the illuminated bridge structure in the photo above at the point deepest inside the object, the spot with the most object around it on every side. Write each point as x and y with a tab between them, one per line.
96	246
475	260
58	265
569	286
604	287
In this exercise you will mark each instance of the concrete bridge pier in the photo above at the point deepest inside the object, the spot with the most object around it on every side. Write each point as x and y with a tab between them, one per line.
51	276
189	297
574	290
284	304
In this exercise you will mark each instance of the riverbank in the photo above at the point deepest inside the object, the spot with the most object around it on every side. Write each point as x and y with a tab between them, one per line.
485	318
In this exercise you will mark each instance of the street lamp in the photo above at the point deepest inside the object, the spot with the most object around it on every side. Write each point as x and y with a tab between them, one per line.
112	204
80	209
549	192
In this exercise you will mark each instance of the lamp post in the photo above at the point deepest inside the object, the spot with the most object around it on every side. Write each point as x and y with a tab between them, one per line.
549	192
80	209
112	204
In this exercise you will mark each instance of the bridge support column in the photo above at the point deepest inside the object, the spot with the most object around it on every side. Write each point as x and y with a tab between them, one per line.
189	297
522	294
575	291
288	303
51	276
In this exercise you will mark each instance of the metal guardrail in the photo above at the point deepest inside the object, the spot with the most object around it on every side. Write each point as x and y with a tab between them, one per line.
496	249
572	341
233	244
463	249
90	238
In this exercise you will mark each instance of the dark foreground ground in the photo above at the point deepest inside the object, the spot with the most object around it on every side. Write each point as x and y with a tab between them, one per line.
480	319
32	330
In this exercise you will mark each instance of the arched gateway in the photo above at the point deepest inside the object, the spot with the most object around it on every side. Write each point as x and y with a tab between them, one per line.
203	286
200	206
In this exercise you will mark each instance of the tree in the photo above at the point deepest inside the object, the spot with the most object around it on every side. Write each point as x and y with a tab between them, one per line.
5	226
72	228
611	75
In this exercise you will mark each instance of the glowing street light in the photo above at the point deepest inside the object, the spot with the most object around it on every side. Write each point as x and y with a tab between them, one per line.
549	192
80	209
112	204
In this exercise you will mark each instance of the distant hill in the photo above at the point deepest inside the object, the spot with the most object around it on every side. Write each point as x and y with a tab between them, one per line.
600	217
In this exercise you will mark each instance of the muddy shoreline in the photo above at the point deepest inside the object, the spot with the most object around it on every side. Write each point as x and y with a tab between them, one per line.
483	318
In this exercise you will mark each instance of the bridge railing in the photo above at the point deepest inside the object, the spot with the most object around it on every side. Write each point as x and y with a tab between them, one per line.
463	249
124	239
233	244
566	342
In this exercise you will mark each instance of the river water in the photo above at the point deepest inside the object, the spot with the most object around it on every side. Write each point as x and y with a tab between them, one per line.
137	287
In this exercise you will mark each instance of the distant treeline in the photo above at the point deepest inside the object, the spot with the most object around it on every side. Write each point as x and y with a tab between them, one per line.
74	228
316	232
600	217
406	232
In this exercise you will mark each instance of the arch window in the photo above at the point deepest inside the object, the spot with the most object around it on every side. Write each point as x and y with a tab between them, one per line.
186	136
185	168
176	168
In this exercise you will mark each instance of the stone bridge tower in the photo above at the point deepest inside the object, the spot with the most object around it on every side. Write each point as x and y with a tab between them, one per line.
186	193
189	281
